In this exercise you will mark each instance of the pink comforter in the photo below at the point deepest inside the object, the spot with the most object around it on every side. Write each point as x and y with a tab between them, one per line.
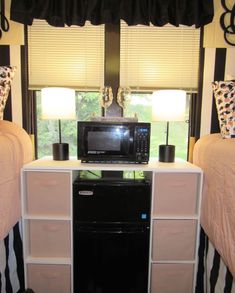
216	156
15	150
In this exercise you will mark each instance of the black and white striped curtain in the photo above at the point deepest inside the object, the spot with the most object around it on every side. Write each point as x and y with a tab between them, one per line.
218	65
11	262
213	276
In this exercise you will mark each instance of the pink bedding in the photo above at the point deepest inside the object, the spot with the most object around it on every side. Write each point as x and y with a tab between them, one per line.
216	156
15	150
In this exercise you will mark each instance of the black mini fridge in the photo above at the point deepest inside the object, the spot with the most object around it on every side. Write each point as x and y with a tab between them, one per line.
111	229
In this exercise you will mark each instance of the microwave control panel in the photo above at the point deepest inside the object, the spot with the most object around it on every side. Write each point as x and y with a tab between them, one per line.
142	143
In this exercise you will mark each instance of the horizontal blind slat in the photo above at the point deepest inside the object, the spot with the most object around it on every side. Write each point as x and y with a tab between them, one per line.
70	56
159	57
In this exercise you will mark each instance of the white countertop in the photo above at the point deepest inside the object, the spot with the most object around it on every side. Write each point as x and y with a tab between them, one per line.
73	164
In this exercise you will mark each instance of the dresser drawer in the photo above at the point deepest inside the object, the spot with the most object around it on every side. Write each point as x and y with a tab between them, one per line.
174	240
48	193
49	238
49	278
175	194
172	278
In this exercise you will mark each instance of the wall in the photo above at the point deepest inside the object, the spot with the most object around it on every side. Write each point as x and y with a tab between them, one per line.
219	60
11	45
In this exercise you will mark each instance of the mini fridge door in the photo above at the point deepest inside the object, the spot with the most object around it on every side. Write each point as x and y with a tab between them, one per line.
112	201
111	259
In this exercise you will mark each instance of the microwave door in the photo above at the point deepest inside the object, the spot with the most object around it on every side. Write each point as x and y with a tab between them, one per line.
113	142
108	142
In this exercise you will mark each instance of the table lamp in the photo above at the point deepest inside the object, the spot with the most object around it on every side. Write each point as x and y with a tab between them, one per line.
58	103
168	105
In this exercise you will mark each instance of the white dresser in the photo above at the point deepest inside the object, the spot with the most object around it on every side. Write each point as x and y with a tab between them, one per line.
47	223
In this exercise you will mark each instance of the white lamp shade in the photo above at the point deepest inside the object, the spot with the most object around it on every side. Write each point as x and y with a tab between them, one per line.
58	103
168	105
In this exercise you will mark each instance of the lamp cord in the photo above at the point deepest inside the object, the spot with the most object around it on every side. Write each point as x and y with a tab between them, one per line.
167	132
59	131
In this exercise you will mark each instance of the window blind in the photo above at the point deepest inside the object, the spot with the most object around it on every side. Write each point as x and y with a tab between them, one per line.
66	56
159	57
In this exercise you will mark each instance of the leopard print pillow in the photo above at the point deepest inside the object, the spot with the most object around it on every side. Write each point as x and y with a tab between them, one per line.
224	93
6	75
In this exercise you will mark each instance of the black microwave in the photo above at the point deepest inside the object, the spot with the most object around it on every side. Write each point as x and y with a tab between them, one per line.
116	142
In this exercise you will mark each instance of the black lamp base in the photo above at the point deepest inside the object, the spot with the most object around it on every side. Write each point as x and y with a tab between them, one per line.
166	153
60	151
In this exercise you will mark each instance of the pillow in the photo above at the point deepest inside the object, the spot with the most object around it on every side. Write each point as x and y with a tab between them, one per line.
224	93
6	75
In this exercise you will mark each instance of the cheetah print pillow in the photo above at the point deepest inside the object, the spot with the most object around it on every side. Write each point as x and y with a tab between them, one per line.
6	75
224	93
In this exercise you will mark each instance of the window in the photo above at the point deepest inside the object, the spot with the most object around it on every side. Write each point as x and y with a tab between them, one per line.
141	104
67	57
155	58
159	57
151	58
87	103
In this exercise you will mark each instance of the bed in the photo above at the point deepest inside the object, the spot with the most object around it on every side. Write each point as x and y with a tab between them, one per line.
216	156
15	150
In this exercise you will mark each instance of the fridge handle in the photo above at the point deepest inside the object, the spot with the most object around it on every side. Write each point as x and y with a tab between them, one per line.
119	231
86	192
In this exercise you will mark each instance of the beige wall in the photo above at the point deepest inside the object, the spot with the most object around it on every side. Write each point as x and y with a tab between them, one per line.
15	36
213	33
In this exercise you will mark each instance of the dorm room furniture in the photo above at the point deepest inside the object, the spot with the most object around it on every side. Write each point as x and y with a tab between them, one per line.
15	150
47	223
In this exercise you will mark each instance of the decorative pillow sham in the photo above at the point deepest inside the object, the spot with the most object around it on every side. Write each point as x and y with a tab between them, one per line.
6	75
224	93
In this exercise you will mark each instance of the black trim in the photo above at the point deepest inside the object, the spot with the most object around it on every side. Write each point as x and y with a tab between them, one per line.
24	91
192	114
112	65
24	85
220	61
192	119
33	100
200	88
5	55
